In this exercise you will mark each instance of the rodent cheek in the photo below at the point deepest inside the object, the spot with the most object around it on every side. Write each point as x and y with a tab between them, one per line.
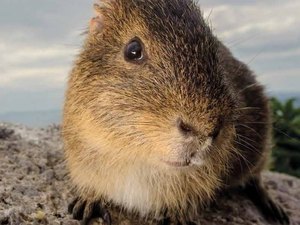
168	145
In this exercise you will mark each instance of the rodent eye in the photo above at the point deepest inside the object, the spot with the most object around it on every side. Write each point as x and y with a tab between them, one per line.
134	51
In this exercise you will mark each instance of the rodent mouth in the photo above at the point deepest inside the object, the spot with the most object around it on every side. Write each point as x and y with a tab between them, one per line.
178	164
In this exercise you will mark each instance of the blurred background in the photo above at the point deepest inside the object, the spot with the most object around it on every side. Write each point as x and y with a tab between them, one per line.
40	39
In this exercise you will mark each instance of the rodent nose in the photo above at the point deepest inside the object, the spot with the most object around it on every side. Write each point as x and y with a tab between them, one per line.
185	128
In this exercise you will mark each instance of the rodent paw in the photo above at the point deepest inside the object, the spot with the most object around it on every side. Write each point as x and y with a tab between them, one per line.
85	211
271	210
167	221
274	212
164	221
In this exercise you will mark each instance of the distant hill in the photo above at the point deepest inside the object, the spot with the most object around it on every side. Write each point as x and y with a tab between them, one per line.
32	118
282	96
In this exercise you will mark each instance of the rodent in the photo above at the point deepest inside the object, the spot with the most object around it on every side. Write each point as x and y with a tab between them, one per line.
160	117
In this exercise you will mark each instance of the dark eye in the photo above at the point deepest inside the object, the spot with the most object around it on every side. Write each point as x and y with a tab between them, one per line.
134	51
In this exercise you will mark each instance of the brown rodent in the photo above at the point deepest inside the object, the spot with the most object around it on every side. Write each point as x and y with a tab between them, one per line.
159	116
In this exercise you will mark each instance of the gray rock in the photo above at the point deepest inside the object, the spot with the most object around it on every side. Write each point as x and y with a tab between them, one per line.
34	185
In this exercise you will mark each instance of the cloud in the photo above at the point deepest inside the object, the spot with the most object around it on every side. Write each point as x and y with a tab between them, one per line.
27	67
278	77
40	22
263	34
27	54
39	41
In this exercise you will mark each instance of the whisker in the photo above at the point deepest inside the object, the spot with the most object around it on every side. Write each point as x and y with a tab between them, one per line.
248	108
247	162
253	148
242	40
255	56
268	123
250	128
209	15
249	86
249	139
282	132
139	124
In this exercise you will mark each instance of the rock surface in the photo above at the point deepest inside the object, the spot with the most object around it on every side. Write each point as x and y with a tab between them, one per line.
34	186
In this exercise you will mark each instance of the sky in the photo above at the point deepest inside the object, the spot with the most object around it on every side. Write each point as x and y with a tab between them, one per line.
40	39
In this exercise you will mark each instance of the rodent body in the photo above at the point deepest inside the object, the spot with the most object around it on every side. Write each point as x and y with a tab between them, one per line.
165	131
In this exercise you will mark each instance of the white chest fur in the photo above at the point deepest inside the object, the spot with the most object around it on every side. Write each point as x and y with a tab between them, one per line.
134	192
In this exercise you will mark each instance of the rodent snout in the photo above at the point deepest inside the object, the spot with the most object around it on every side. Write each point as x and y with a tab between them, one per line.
194	143
190	130
185	128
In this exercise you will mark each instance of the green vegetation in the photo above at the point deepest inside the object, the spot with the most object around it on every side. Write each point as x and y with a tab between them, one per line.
286	133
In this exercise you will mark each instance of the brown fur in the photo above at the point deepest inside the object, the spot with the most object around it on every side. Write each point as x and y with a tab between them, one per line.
120	118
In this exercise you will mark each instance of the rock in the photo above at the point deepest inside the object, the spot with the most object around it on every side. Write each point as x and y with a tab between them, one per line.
5	133
35	189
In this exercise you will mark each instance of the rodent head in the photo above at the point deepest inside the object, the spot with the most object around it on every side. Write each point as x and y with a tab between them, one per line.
149	85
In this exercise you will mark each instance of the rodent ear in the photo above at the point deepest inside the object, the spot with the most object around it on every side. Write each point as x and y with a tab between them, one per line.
97	22
101	8
102	4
